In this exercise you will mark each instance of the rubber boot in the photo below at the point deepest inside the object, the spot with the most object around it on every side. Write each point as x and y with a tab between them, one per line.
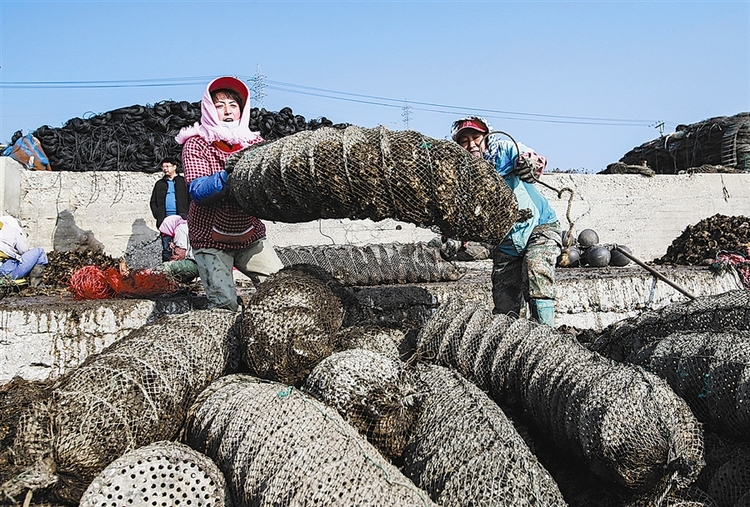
543	311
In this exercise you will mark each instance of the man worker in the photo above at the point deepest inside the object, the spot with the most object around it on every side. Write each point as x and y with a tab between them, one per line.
523	264
169	197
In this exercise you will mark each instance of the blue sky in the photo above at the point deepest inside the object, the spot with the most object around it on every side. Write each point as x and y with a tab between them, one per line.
581	82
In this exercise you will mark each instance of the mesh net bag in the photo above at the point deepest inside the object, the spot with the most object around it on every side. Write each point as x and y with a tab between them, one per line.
378	395
133	393
289	324
381	264
726	476
378	339
277	446
465	451
626	424
709	370
375	174
162	474
721	312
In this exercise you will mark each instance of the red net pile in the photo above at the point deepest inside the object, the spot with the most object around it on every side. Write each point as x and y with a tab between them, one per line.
93	282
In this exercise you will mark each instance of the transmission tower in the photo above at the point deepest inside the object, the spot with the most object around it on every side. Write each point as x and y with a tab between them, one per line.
258	86
406	114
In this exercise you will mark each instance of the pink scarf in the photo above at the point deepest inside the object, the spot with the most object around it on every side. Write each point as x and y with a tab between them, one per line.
210	127
171	223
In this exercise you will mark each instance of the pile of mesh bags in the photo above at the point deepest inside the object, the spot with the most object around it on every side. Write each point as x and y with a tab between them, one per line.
375	174
278	446
701	348
627	425
135	392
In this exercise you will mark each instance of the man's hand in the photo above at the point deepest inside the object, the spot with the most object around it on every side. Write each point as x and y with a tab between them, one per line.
526	170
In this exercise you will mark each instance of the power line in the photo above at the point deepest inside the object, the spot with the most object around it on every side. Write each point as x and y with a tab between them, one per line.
260	83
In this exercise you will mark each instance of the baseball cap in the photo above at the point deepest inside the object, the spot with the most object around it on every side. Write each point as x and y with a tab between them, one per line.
472	124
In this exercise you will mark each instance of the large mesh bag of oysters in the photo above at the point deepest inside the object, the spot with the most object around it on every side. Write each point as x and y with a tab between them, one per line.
626	424
465	451
726	477
379	395
278	446
701	348
721	312
289	324
360	173
162	474
133	393
378	264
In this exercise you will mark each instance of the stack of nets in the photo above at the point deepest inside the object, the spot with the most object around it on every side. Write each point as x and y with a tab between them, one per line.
162	474
135	392
700	243
465	451
289	324
277	446
627	425
375	174
720	141
377	394
381	264
701	348
136	138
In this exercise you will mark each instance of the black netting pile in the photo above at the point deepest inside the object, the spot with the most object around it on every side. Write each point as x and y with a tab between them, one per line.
626	424
277	446
465	451
722	141
379	395
135	392
379	264
700	243
136	138
701	348
375	174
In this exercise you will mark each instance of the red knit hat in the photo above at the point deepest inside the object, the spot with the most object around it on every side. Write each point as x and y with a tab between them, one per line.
470	124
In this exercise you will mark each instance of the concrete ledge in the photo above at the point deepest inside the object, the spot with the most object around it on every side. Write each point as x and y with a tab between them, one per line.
41	338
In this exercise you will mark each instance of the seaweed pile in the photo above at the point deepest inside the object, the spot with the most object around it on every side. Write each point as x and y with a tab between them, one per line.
63	264
699	244
136	138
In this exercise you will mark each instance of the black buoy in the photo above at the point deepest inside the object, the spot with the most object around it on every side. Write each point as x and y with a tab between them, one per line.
588	237
598	256
617	258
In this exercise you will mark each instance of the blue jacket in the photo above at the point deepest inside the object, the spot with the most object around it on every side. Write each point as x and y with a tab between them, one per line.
503	155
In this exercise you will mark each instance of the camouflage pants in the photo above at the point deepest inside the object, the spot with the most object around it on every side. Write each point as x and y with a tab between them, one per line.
258	262
516	280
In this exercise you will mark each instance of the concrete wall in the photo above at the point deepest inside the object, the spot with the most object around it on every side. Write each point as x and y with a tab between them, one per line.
644	213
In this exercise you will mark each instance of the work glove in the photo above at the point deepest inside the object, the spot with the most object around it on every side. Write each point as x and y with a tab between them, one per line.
526	169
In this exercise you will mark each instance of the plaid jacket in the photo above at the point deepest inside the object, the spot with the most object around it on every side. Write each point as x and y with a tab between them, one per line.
225	217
